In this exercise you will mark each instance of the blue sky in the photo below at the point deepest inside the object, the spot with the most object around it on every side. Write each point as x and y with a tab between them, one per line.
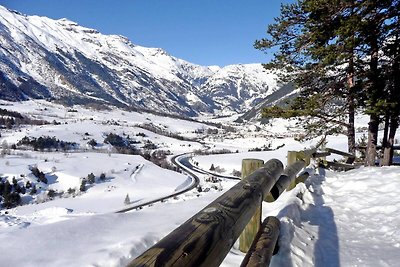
205	32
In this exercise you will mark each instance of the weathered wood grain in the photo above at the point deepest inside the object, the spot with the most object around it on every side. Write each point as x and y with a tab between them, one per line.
249	233
350	158
340	166
263	247
321	154
302	177
206	238
287	177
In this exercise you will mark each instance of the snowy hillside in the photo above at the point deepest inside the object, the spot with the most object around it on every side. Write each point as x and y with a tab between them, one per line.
59	59
334	219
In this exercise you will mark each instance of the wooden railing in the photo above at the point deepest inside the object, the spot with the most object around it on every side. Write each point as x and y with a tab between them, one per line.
286	179
206	238
264	244
307	155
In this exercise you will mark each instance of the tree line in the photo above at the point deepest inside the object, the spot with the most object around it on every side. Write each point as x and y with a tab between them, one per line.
344	56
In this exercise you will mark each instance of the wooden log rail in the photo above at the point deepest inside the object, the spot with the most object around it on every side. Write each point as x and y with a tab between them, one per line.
206	238
287	178
349	157
307	154
264	244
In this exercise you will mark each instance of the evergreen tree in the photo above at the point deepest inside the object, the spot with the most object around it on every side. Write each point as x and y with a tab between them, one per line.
332	50
51	193
310	56
82	188
35	171
92	143
22	190
127	200
42	178
33	190
71	191
212	168
7	188
14	181
379	21
1	187
91	178
392	76
11	200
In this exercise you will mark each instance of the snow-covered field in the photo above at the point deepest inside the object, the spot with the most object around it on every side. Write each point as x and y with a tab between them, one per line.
334	219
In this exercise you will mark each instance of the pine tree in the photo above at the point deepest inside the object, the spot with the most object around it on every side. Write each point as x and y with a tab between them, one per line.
1	187
51	193
127	200
310	56
7	188
33	190
71	191
14	181
212	168
91	178
392	75
379	22
332	51
82	188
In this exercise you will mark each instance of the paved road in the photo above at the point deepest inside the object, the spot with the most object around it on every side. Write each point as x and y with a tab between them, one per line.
181	162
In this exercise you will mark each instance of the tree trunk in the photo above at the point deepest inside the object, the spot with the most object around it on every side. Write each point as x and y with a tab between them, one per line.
385	144
388	152
372	140
386	129
351	133
374	94
394	96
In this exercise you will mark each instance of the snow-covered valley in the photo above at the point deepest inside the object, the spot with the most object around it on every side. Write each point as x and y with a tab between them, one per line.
334	219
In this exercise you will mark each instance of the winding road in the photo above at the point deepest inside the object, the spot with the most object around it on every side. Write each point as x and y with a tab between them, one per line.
181	161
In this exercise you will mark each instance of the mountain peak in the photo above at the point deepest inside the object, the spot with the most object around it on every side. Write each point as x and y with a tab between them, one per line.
62	60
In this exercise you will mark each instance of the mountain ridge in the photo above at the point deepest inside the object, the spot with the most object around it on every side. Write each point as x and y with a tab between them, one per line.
59	59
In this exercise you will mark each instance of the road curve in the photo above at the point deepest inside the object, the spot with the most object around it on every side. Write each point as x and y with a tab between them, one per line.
184	166
182	162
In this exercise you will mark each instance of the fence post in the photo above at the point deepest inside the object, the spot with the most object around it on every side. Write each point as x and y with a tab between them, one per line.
292	157
263	247
251	229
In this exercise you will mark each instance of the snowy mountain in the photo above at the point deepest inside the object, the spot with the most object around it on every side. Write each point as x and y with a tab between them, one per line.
278	98
58	59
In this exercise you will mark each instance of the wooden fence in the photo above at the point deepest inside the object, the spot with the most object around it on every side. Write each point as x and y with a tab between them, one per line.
264	244
206	238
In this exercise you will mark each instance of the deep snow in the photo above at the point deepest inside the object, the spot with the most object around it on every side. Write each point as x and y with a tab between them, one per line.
334	219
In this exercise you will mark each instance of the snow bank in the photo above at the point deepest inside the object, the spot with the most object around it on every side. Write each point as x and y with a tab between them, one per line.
341	219
184	185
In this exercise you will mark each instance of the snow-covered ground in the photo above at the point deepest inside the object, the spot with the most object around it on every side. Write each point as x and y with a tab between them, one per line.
334	219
